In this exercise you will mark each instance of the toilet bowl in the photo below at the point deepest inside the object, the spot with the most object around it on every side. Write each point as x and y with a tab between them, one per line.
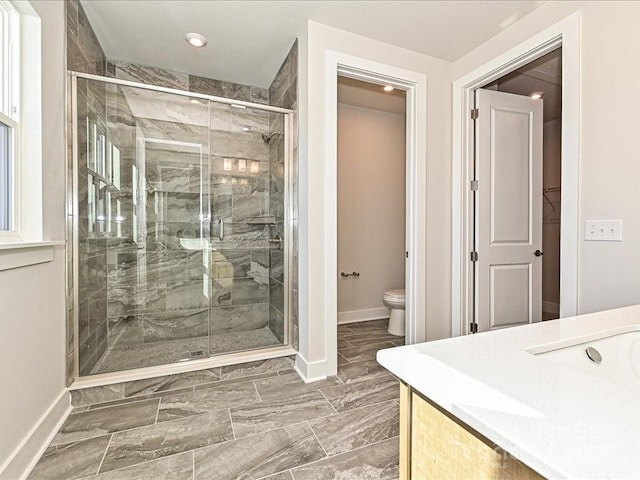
394	300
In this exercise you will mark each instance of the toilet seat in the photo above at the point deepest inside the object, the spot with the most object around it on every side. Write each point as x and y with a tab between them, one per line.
397	295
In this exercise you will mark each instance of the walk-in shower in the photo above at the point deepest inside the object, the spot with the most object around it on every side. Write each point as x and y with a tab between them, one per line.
181	225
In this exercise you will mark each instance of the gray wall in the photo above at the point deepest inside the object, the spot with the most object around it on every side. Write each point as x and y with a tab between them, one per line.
283	92
84	54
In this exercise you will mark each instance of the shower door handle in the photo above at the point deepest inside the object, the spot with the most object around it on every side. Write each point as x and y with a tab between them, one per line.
221	229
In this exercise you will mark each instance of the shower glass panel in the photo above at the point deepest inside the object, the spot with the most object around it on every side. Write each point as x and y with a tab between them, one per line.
247	261
179	227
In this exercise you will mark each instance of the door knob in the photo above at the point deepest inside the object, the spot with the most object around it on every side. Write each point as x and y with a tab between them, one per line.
538	253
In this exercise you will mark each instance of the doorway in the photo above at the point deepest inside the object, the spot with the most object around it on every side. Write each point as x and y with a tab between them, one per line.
516	193
565	34
371	194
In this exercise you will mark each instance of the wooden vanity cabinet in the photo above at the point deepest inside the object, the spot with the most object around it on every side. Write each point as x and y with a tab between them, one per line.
436	445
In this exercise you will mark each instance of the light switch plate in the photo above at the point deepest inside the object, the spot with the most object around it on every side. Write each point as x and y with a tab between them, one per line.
603	230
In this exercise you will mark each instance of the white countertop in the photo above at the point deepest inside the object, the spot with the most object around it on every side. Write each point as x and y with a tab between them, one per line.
561	422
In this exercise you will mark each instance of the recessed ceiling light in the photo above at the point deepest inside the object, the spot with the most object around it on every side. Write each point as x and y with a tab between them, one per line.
196	40
388	88
245	128
536	95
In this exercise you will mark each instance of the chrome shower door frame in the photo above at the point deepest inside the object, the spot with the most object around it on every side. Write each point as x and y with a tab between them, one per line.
286	349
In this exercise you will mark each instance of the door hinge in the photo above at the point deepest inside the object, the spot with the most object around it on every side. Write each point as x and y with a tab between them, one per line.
473	327
474	185
406	254
474	114
474	256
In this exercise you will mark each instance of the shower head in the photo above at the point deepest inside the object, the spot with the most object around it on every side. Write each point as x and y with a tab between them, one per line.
267	138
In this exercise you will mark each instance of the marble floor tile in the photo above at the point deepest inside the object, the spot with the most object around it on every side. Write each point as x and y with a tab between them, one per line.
380	325
357	339
342	360
365	334
360	371
89	396
282	425
171	382
357	428
166	438
290	385
71	461
259	455
279	476
84	408
272	414
375	462
206	400
231	381
170	351
364	352
360	394
124	401
174	467
94	423
256	368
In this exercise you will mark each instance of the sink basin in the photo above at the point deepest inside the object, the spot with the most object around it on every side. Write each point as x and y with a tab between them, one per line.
617	355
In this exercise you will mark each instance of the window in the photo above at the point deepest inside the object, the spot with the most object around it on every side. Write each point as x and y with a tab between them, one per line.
9	115
21	192
6	177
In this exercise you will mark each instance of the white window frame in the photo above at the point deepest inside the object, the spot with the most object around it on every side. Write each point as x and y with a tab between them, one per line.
21	104
10	105
25	245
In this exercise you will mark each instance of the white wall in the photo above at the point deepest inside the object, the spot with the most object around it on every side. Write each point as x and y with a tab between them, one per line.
313	47
608	273
371	208
32	299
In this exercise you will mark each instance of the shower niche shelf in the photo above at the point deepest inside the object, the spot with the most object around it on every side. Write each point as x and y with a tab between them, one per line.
261	220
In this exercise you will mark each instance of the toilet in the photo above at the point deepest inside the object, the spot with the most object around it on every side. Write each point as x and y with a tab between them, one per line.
394	300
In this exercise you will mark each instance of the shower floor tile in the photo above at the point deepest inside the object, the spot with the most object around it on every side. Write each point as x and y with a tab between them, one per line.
171	351
255	420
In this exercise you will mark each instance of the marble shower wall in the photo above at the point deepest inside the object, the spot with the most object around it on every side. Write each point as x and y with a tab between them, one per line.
283	92
120	307
84	54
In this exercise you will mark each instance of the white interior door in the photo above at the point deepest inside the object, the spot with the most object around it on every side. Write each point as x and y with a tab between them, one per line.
508	210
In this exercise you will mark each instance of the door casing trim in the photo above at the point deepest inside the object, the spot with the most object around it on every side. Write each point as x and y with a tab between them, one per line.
566	34
415	85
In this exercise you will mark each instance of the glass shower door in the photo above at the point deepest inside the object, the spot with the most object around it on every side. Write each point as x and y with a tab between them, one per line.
180	225
247	255
143	227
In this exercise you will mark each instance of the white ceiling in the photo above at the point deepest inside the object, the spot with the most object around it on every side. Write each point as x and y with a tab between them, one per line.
249	39
370	95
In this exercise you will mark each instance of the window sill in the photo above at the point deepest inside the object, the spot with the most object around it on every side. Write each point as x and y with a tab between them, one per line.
22	254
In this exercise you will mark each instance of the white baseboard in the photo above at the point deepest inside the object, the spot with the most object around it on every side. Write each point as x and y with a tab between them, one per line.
362	315
310	371
551	307
28	452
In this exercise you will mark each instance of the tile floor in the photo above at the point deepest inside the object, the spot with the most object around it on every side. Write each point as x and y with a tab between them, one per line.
251	421
170	351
